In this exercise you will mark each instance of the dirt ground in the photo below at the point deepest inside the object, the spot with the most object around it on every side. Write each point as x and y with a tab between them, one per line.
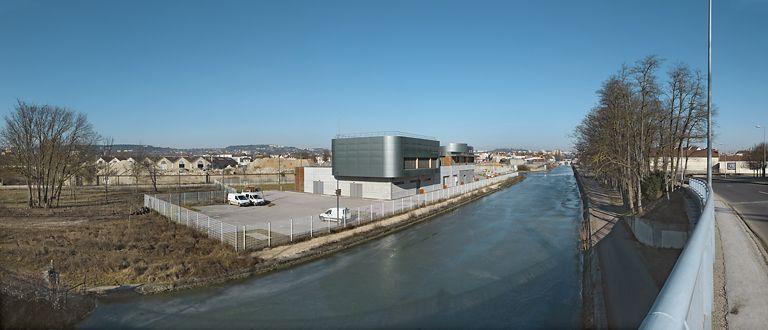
101	244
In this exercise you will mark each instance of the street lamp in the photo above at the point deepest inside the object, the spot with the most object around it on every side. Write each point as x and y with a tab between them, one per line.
709	96
764	163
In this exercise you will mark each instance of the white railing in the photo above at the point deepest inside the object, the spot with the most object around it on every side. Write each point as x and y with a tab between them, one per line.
685	301
215	229
272	232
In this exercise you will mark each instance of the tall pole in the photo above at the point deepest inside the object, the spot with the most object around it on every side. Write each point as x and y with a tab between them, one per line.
338	193
709	97
763	165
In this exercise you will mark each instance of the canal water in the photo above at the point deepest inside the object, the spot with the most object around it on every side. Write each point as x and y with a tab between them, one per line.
507	260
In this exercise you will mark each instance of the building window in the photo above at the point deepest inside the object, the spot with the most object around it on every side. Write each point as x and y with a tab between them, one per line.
181	164
200	164
423	163
409	163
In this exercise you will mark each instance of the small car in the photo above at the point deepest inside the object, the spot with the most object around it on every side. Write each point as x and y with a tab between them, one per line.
334	214
238	199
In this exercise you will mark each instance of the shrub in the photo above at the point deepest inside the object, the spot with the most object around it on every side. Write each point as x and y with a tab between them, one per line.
653	186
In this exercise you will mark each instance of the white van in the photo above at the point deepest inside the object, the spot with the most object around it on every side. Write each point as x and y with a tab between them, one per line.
334	214
238	199
255	198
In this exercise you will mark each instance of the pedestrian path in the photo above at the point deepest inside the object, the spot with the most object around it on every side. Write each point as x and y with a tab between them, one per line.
745	271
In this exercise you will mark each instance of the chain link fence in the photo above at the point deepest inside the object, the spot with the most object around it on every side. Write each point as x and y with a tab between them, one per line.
286	231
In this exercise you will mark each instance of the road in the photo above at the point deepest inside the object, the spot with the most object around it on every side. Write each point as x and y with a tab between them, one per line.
750	200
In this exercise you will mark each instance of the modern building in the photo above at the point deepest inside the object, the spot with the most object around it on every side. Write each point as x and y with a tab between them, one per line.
389	166
457	164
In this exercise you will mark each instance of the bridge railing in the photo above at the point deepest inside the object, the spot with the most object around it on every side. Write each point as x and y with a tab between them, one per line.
685	301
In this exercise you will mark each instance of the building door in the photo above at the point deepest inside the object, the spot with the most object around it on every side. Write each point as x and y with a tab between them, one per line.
317	187
356	190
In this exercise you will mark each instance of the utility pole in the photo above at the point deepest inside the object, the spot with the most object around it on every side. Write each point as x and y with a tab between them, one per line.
764	147
709	97
338	193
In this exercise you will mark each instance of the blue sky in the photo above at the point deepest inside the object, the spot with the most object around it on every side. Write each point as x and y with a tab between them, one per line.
494	74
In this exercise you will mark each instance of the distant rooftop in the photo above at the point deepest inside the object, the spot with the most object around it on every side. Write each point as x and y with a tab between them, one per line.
384	133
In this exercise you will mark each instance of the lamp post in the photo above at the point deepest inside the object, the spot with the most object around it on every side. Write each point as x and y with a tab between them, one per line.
764	147
709	96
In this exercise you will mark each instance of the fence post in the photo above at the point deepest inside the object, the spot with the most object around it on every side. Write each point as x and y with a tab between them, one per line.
328	222
371	212
358	216
393	207
291	230
245	242
311	220
236	239
269	233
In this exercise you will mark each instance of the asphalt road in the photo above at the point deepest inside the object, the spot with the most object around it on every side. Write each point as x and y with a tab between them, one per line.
750	200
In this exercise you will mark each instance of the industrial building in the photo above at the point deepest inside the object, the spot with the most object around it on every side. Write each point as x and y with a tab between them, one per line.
389	166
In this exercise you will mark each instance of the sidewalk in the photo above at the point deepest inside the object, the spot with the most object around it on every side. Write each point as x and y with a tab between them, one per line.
744	270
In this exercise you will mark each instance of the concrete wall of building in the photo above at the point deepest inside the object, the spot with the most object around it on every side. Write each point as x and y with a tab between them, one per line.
385	189
374	190
453	175
742	167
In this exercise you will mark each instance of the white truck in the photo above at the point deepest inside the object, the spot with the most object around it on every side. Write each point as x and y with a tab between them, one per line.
334	214
255	198
238	199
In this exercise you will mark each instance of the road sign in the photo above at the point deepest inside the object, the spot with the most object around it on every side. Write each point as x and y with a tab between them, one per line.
731	166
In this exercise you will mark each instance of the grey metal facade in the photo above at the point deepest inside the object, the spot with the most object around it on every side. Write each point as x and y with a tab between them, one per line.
382	156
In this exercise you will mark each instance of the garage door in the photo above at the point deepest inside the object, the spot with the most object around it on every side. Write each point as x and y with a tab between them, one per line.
317	187
356	190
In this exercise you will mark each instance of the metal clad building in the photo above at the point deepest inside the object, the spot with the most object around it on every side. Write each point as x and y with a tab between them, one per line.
384	157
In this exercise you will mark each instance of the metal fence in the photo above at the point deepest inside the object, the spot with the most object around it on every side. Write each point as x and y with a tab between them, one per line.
223	186
284	231
195	197
685	301
273	232
215	229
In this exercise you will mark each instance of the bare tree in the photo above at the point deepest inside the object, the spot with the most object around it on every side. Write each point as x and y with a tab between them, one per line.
48	146
105	168
153	170
637	125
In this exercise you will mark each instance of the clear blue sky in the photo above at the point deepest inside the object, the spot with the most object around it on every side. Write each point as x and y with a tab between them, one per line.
507	73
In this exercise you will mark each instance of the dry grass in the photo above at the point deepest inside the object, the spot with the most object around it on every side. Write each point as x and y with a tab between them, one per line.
102	243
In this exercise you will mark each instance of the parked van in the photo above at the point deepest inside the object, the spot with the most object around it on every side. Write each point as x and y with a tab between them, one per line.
238	199
334	214
255	198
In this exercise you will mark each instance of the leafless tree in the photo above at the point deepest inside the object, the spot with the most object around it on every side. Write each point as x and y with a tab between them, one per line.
150	166
639	126
48	146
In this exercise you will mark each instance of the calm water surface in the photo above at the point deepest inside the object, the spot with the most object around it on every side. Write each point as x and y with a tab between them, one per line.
507	260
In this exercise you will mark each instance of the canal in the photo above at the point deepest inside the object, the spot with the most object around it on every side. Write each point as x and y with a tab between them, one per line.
507	260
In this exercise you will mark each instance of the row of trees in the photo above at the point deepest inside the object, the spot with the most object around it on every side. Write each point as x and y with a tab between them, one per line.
637	136
48	146
756	158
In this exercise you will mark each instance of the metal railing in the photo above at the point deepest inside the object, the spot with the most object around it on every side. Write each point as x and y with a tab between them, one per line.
272	232
685	301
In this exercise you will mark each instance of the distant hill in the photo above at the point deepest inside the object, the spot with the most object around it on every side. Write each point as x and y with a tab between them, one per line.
254	149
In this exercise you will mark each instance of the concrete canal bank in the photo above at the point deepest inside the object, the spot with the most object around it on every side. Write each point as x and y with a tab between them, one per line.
508	259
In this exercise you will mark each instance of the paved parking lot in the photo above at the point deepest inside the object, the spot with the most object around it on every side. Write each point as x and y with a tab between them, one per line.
303	208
